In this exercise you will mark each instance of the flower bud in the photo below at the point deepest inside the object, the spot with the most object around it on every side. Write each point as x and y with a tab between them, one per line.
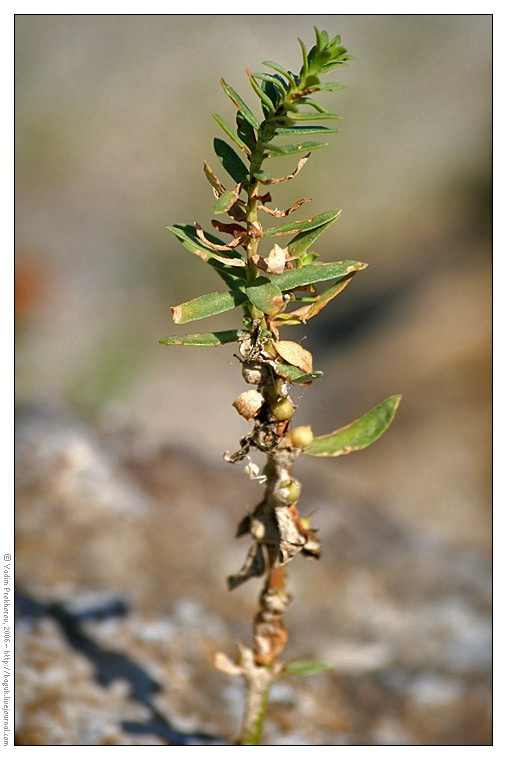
249	404
282	410
301	437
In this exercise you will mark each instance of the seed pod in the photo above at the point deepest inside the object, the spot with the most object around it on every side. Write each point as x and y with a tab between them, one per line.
253	373
290	491
249	404
282	410
301	437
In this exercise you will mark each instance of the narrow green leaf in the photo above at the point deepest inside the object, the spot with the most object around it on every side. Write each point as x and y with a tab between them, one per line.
289	150
332	86
333	64
213	179
231	162
305	668
187	236
308	258
299	244
265	295
274	94
207	306
295	278
294	374
203	339
240	104
315	130
359	434
225	201
245	131
263	175
232	134
281	70
304	68
308	224
278	83
313	104
261	94
234	278
317	116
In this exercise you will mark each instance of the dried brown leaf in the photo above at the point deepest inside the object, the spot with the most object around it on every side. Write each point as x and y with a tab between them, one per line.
233	244
295	354
279	214
301	163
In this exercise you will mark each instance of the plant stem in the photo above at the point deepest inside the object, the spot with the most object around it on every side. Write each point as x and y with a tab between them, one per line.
256	702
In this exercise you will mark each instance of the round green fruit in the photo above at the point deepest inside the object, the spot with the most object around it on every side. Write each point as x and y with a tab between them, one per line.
301	437
282	410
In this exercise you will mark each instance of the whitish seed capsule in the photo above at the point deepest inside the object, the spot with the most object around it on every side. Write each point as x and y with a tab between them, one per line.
302	437
283	409
253	373
249	404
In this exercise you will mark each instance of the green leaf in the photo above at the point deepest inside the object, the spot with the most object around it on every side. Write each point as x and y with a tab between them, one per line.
263	175
308	258
288	150
213	179
225	201
315	130
187	236
261	94
304	68
231	162
281	70
333	64
294	374
245	131
359	434
233	278
295	278
309	224
207	306
305	668
278	83
318	116
300	244
240	104
232	134
265	295
274	94
203	339
332	86
313	104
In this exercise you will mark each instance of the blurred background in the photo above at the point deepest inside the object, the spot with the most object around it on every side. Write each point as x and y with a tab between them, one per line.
126	511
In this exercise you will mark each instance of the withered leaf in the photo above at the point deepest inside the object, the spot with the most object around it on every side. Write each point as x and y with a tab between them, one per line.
255	565
295	354
233	244
292	539
271	181
280	214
